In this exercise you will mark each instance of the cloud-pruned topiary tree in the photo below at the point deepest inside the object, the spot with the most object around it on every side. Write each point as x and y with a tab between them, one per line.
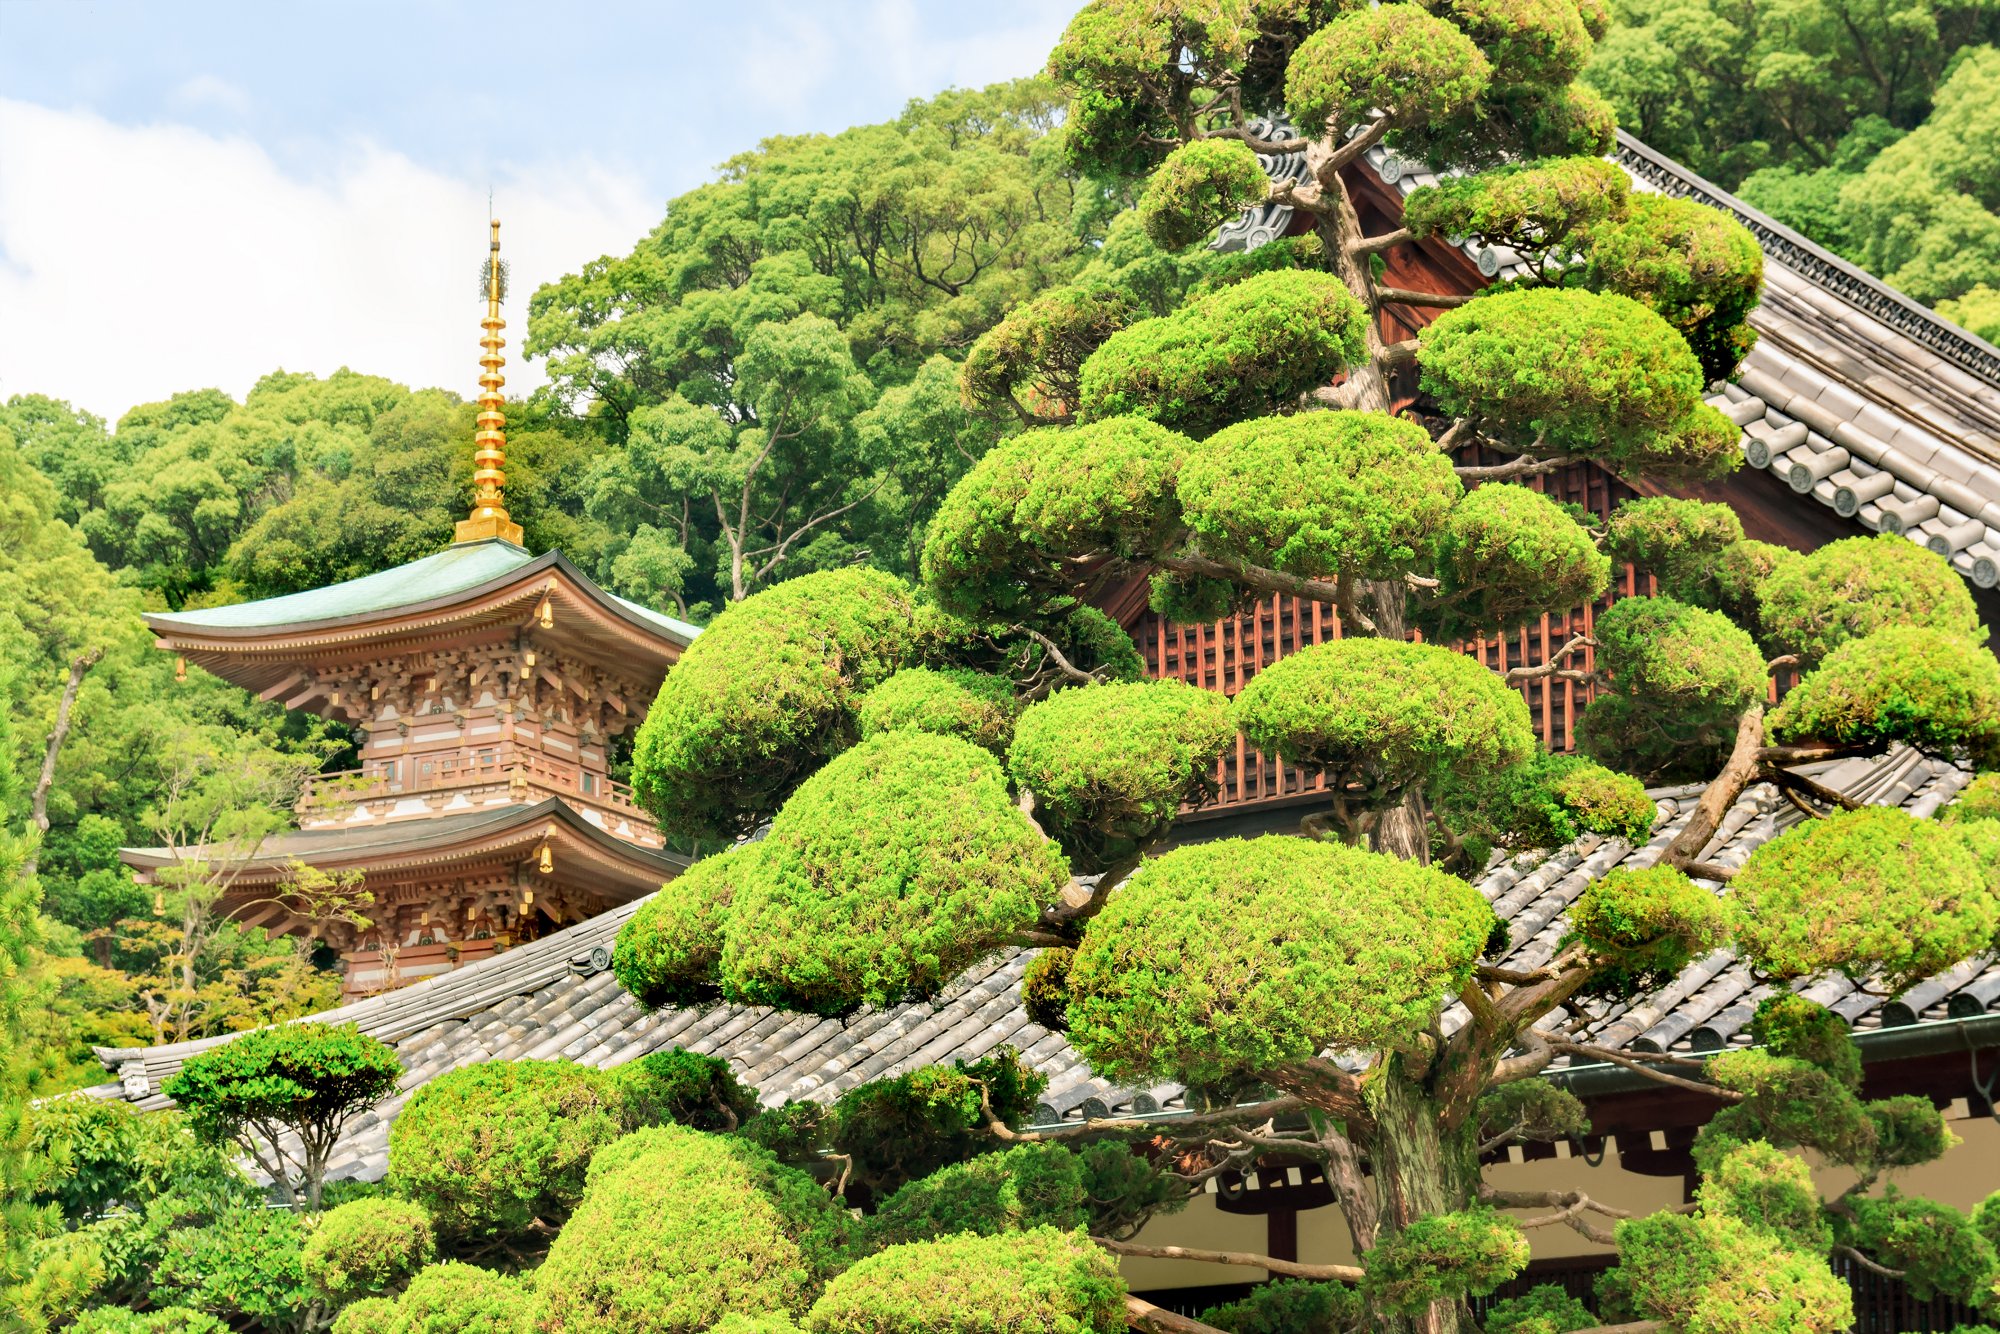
1239	443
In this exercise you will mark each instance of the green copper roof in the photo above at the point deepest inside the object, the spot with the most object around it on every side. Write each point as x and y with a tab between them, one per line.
453	570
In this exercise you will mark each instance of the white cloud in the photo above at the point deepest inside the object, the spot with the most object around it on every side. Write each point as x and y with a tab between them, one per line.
207	90
139	261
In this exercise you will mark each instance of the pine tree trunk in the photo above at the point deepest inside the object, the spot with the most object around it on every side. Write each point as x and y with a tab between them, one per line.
1419	1167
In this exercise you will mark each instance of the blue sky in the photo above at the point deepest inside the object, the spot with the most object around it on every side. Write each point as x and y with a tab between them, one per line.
304	184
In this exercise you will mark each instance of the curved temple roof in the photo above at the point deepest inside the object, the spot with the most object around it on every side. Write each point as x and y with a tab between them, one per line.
556	998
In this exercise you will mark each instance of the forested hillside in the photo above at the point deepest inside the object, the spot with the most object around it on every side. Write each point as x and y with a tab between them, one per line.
1872	126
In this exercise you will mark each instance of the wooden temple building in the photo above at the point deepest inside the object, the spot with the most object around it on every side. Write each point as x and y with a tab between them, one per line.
488	686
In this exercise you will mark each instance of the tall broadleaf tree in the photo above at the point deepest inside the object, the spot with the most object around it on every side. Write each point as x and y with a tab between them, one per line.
968	765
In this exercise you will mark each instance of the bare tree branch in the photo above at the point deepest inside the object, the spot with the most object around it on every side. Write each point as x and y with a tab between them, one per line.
38	806
1404	296
1143	1315
1638	1067
1554	667
1289	1268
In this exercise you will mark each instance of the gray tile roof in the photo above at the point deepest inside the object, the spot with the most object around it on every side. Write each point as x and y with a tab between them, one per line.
553	998
1856	396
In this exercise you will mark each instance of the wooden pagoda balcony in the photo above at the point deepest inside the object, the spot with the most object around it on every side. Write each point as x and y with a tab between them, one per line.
420	786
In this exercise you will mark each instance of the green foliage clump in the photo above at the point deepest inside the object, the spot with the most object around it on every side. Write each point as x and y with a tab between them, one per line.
998	543
678	1228
1864	891
1699	268
1394	58
1534	207
1741	570
1908	1131
1111	765
1789	1025
667	951
1644	926
1027	1186
1045	988
1858	585
1542	1309
770	1322
1036	1282
1319	493
370	1315
886	874
1676	541
1977	800
455	1298
245	1267
1713	1274
1768	1191
1241	351
1288	1306
1532	1109
306	1077
969	705
1385	714
1598	376
1658	649
1544	803
1124	1187
1200	186
1933	689
1505	556
1680	678
1785	1102
765	696
167	1320
368	1247
1936	1246
903	1129
490	1148
686	1089
1442	1257
1031	361
1222	960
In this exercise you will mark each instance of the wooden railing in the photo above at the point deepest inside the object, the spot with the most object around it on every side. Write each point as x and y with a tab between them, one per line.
513	767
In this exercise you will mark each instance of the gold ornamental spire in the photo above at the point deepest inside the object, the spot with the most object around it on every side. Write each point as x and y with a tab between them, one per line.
489	512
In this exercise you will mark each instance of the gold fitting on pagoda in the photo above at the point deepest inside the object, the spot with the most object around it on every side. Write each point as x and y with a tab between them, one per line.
489	518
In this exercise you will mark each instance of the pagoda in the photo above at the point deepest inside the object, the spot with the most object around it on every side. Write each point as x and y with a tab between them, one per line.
488	685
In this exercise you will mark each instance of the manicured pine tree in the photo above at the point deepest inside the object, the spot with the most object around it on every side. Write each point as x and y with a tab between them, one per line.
949	770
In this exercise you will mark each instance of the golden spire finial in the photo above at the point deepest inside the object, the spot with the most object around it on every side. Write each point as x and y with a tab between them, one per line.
489	458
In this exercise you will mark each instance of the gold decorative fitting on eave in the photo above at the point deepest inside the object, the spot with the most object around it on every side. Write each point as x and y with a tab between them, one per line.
489	517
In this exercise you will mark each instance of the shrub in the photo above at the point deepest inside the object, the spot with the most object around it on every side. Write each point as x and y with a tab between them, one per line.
678	1229
490	1148
1698	268
454	1298
887	873
1769	1191
1935	690
1385	714
1037	1282
1221	960
1937	1247
1662	651
686	1089
244	1267
1858	585
968	705
1027	1186
1677	541
1111	765
765	696
1536	206
1789	1025
666	953
370	1315
1031	359
168	1320
1703	1273
1505	556
1237	352
1977	800
1862	891
905	1128
367	1248
1318	493
1289	1306
1645	926
304	1077
1545	803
